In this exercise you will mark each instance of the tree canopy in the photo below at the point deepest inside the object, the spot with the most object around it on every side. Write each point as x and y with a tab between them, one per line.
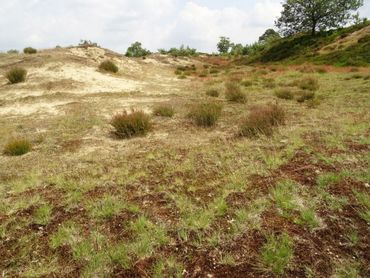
316	15
136	50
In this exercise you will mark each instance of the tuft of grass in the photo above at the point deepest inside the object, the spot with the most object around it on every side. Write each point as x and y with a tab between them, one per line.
305	96
17	147
277	253
247	83
164	110
262	120
128	125
205	114
234	93
168	267
284	93
213	93
67	234
308	83
106	207
16	75
148	236
119	255
308	217
283	195
29	50
108	66
321	70
43	214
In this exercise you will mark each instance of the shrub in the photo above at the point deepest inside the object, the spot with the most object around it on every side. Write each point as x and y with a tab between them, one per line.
309	83
16	75
13	51
234	93
205	114
304	96
128	125
136	50
284	93
164	111
213	93
108	66
261	120
17	147
29	50
214	71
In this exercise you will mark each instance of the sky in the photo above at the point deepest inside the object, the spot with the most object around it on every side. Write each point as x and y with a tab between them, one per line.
115	24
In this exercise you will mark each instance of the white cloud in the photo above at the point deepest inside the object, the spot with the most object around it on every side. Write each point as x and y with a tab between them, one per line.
117	23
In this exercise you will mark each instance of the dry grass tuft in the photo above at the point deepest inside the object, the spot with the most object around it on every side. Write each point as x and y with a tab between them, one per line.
234	93
108	66
17	147
164	110
16	75
205	114
284	93
262	120
128	125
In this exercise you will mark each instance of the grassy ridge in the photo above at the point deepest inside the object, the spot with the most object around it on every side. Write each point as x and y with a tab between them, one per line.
304	48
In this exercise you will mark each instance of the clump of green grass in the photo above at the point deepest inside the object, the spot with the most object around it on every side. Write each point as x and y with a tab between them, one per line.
277	253
108	66
168	267
284	93
29	50
16	75
17	147
128	125
106	207
213	93
308	83
164	110
43	214
262	120
205	114
234	93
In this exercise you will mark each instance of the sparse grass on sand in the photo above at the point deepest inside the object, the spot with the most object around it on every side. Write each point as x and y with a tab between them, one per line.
183	201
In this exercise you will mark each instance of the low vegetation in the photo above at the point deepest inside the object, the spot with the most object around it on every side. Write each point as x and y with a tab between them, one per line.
262	120
234	93
205	114
16	75
17	147
213	93
164	110
284	93
29	50
127	125
108	66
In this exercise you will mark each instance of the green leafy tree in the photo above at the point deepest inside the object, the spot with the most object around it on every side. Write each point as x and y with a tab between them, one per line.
269	36
315	15
136	50
224	45
237	49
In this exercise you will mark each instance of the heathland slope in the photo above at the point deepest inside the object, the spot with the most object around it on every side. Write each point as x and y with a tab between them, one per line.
343	47
239	171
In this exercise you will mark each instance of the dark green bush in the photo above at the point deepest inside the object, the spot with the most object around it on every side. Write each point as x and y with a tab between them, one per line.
136	50
205	114
29	50
17	147
234	93
108	66
262	120
164	110
128	125
284	93
16	75
213	93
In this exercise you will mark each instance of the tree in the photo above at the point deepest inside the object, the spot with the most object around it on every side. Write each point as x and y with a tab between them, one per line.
269	36
315	15
224	45
237	49
136	50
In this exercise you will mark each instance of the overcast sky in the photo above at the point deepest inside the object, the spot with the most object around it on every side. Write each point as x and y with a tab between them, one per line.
116	24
